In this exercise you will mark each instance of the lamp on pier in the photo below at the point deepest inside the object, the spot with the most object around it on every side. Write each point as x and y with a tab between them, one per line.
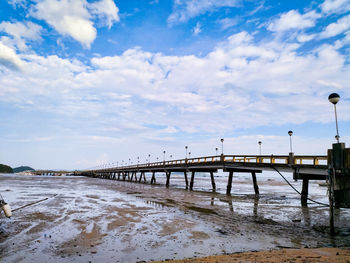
259	142
216	151
186	147
164	156
149	158
334	98
290	133
222	146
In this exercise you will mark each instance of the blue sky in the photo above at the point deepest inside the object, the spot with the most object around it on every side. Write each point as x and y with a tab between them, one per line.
84	83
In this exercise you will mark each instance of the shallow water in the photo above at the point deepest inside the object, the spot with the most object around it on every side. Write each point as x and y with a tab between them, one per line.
78	219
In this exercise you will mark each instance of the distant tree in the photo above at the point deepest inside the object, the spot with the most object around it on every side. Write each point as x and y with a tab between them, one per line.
5	169
22	169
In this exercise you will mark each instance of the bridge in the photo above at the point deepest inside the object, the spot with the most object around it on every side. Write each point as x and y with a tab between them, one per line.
303	167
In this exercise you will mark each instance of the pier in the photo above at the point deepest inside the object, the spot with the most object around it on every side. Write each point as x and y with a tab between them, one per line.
303	168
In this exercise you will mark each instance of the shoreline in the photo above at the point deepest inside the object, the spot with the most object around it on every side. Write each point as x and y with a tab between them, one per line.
310	255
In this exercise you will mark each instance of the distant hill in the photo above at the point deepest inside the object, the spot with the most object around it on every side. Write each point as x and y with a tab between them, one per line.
5	169
22	169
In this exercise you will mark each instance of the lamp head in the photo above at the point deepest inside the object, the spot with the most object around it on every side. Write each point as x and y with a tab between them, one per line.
334	98
290	133
222	140
259	142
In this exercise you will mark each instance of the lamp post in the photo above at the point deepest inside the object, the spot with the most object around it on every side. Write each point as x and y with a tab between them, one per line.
171	156
129	161
259	142
222	146
216	151
290	133
149	158
163	156
334	98
189	155
138	160
186	147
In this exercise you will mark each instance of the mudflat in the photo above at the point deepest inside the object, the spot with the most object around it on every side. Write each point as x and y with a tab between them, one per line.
78	219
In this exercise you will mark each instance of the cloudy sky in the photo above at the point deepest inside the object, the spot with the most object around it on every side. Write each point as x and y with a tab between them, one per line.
84	83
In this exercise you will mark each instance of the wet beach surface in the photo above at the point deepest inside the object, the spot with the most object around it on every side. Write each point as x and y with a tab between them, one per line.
78	219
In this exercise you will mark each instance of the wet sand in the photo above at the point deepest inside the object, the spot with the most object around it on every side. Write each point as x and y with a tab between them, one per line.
77	219
315	255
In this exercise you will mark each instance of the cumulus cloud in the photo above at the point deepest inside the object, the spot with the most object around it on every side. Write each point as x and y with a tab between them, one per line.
74	17
334	29
184	10
21	32
335	6
106	10
9	58
293	20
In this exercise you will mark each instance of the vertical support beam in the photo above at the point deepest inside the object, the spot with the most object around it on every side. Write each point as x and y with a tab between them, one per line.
192	180
141	176
128	175
124	176
132	176
153	179
135	176
212	181
118	176
144	178
186	180
167	179
229	183
304	192
255	184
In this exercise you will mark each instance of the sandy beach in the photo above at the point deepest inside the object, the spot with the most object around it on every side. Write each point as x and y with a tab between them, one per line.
77	219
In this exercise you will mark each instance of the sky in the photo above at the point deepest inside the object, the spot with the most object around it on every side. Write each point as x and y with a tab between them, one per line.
89	83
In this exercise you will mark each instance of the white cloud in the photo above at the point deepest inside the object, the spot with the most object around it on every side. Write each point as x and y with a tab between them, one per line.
335	6
197	29
334	29
72	17
106	10
228	22
184	10
21	32
293	20
9	58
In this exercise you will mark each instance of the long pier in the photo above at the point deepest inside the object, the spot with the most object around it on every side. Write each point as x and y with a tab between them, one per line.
303	167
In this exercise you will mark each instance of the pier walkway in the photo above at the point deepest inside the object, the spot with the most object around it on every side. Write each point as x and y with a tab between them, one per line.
303	167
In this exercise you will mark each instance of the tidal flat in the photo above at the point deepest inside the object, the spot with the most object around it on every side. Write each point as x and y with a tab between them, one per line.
78	219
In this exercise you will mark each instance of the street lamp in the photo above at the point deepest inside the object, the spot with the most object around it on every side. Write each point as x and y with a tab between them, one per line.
164	156
222	146
138	160
186	147
189	155
216	150
290	133
259	142
149	158
171	156
334	98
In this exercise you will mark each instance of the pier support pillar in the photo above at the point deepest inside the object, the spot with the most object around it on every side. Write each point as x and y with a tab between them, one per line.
212	181
255	184
168	179
186	180
229	183
153	179
304	192
192	180
132	176
142	173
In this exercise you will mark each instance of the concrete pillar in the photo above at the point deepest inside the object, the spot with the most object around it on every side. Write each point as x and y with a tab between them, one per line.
153	179
192	180
167	179
255	184
212	181
229	183
186	180
304	192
